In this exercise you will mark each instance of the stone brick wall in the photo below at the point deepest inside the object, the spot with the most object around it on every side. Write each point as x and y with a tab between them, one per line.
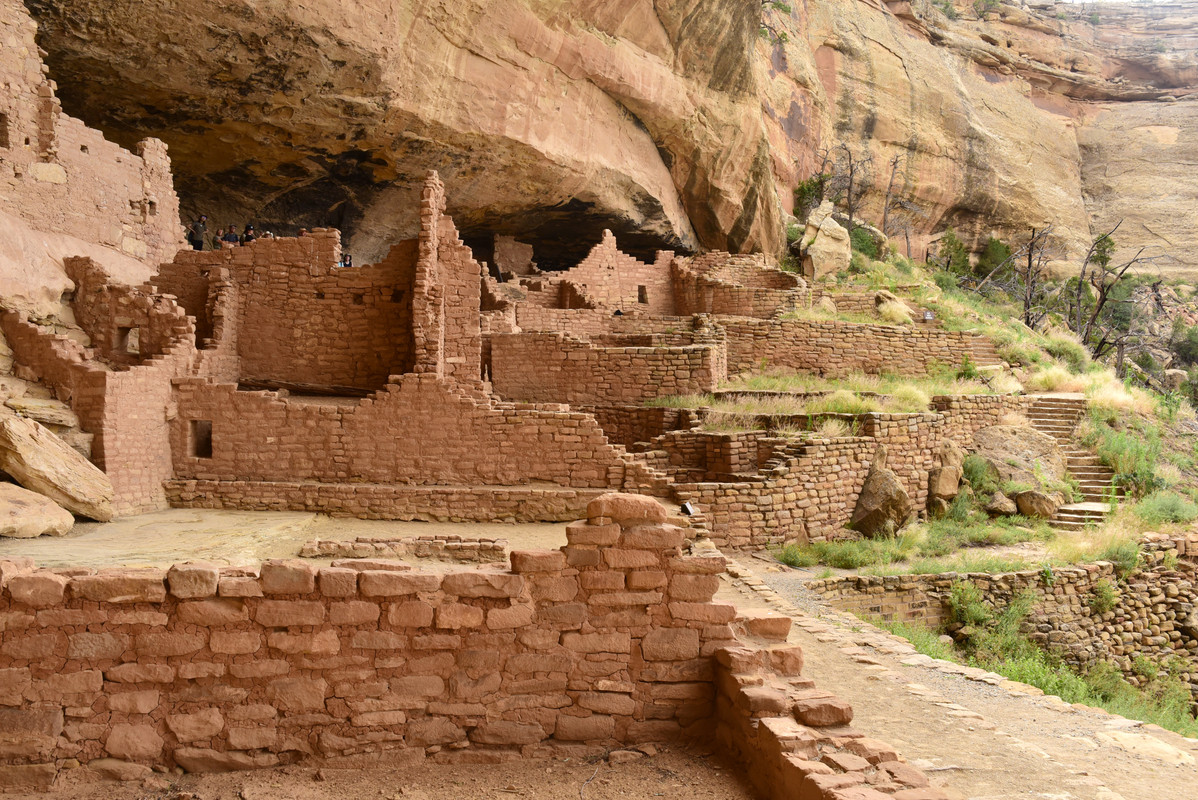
612	279
1153	617
300	318
441	547
737	285
58	175
965	415
556	367
607	641
420	431
628	425
835	349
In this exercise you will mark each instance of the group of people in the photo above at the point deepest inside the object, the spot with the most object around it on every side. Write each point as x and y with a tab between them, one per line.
197	235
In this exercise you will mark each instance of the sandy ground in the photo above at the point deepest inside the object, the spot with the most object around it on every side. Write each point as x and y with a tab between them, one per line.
240	537
677	774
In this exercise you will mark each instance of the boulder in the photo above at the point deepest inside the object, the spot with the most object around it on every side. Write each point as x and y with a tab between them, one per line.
883	505
25	514
829	252
816	218
937	507
41	462
944	482
1174	378
1020	453
1038	505
1000	505
951	454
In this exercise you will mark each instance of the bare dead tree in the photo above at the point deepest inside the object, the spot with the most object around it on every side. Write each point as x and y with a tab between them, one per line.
1023	274
891	200
852	175
1102	275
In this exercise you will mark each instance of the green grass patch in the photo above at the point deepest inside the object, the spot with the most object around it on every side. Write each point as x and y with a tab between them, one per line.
1165	507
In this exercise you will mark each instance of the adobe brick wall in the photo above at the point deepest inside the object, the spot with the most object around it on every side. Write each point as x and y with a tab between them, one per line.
421	431
628	425
1152	617
737	285
298	317
835	349
556	367
441	547
58	175
612	279
607	641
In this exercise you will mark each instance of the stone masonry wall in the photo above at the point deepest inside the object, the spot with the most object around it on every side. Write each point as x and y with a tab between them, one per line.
301	319
58	175
558	368
965	415
835	349
1154	615
422	430
613	279
736	285
609	640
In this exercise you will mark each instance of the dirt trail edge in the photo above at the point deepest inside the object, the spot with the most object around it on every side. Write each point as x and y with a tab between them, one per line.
971	731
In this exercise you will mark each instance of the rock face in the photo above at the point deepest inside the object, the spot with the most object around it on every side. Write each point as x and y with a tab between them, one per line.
43	463
829	252
25	514
675	119
883	505
1020	454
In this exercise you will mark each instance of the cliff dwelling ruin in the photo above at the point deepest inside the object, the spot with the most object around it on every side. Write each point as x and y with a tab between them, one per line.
514	491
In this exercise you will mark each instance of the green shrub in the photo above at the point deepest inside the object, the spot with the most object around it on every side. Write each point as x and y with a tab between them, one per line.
984	7
1105	597
864	242
923	640
1165	507
967	370
793	232
952	253
1124	554
981	476
946	6
996	251
842	401
809	194
1075	355
966	606
794	556
945	280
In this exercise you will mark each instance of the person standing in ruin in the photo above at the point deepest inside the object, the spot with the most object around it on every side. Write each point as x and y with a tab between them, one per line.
230	239
197	232
249	235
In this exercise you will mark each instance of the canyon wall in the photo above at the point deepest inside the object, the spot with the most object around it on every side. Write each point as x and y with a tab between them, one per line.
674	123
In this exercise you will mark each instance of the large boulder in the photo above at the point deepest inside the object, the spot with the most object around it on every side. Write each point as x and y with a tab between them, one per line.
999	505
829	252
42	462
25	514
951	454
1174	379
883	505
1020	454
1038	505
944	482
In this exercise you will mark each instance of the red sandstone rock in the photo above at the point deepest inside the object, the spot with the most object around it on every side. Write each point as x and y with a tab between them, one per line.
133	586
288	577
670	644
88	646
25	514
298	694
766	625
288	613
584	533
482	584
252	738
458	615
653	537
133	742
202	724
903	773
393	584
626	509
142	702
196	759
694	588
357	612
234	642
168	644
410	614
515	616
846	762
140	673
872	750
823	711
338	582
240	587
225	611
537	560
38	590
116	770
193	580
584	729
787	661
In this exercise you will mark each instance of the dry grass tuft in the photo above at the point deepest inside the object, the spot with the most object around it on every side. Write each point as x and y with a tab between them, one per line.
894	313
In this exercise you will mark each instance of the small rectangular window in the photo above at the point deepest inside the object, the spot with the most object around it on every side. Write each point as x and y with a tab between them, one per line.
4	131
201	438
128	341
642	294
359	299
397	295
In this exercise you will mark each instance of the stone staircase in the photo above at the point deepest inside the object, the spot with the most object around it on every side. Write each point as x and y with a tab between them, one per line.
1057	416
983	353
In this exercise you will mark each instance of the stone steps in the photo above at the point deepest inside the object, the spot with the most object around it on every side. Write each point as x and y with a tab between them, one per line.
1058	417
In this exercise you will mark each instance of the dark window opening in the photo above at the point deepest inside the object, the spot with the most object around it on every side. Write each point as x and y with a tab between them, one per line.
4	130
201	438
26	141
320	295
128	340
152	208
642	294
83	148
397	295
359	299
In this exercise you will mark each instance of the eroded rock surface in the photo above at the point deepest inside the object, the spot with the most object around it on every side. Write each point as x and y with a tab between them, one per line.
42	462
25	514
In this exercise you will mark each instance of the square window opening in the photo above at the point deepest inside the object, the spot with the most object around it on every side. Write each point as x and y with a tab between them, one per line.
359	299
201	438
642	294
128	341
397	295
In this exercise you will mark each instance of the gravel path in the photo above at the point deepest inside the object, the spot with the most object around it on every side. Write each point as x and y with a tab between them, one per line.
971	731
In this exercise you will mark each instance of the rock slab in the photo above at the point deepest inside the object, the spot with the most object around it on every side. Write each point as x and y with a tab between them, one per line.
42	462
25	514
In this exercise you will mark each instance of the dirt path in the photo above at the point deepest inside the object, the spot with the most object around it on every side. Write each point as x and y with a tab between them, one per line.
971	735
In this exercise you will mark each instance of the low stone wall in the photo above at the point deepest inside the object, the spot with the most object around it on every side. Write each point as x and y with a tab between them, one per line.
965	415
447	547
835	349
1153	617
388	501
558	368
629	425
612	640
